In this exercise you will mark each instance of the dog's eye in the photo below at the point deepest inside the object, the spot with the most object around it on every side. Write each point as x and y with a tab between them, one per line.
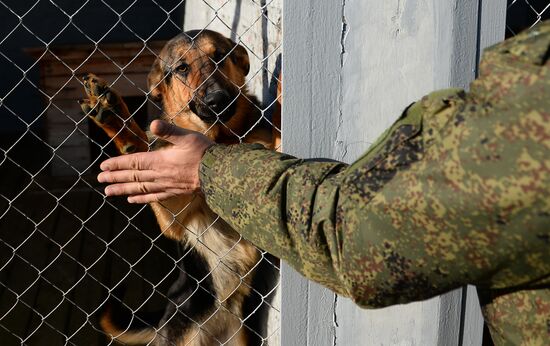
219	57
183	68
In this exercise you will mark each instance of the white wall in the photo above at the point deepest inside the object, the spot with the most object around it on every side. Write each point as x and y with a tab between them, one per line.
389	63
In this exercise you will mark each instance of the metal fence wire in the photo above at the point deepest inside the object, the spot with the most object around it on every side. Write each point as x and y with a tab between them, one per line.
68	254
523	14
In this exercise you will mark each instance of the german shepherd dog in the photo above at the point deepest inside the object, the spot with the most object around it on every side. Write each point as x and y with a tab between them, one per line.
199	77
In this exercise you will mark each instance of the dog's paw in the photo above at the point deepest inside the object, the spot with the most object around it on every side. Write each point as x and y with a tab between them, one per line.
95	86
108	110
103	104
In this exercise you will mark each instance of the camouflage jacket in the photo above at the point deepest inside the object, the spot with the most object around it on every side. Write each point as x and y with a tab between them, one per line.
456	192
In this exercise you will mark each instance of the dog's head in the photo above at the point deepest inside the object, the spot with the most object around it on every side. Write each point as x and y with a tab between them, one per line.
198	77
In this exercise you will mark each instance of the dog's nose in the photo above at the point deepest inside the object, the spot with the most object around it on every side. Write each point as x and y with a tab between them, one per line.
217	101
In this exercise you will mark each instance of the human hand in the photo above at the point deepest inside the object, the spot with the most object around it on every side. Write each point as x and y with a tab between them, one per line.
158	175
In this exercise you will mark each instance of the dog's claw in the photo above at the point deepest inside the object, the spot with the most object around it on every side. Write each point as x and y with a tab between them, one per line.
85	105
94	86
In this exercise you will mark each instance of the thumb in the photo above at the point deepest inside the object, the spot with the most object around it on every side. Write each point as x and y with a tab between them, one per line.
169	132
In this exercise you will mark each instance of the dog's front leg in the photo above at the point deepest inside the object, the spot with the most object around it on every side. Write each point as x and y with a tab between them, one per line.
108	110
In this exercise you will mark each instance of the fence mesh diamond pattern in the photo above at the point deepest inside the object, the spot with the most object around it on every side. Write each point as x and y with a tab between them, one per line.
523	14
68	254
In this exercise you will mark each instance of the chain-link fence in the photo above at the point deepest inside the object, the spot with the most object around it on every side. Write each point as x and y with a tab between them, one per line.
523	14
70	256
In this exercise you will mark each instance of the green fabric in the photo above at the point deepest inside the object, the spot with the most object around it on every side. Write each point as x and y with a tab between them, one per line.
456	192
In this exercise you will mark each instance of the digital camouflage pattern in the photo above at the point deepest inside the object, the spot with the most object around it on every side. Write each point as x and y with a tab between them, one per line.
456	192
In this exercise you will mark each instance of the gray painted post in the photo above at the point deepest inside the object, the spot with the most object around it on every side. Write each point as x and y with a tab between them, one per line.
311	71
458	38
493	22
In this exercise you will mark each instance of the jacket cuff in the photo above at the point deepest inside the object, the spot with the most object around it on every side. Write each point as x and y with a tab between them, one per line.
221	171
209	169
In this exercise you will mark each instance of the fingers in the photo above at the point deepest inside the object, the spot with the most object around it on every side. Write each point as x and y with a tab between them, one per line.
140	188
137	188
151	197
138	161
126	176
179	136
169	132
154	176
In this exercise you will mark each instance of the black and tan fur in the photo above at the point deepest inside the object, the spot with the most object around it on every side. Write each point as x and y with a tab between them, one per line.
199	77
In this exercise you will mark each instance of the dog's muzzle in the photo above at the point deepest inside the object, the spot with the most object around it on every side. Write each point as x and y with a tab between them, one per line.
215	105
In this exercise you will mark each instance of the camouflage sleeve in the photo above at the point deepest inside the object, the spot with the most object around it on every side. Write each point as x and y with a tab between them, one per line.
518	317
457	191
256	191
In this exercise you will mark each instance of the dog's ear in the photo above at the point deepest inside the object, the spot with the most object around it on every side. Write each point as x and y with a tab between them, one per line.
239	55
154	80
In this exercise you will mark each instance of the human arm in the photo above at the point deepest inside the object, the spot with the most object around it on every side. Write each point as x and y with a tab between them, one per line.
462	197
